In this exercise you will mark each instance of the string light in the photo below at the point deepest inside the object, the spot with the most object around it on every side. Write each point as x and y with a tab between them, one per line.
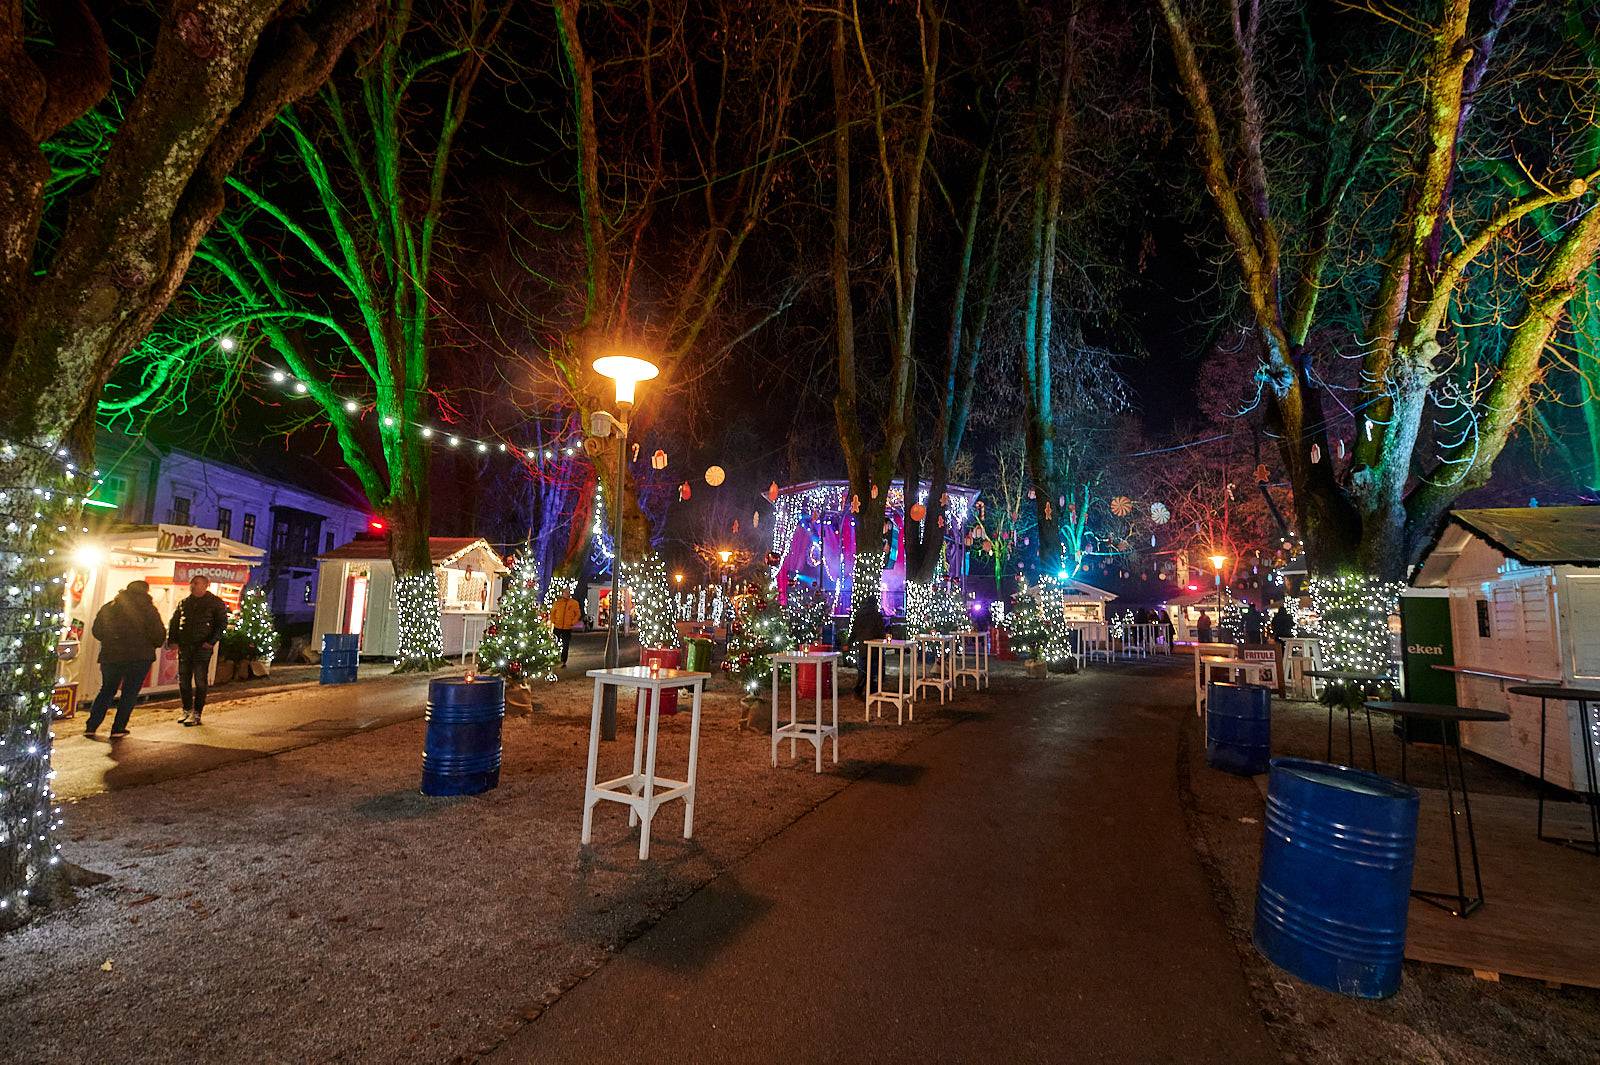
250	634
519	644
935	606
1353	612
756	633
653	608
419	640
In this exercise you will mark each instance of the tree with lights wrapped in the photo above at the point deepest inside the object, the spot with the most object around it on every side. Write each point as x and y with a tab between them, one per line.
250	636
757	633
654	614
519	644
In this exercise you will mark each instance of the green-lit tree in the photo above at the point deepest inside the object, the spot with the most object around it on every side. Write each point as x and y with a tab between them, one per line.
519	643
250	635
323	275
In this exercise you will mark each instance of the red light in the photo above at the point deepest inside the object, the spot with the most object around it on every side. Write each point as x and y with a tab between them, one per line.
376	525
1194	587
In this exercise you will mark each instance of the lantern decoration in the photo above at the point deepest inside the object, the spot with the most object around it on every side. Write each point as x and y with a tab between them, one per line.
659	460
1316	454
715	476
978	506
918	512
1160	514
1122	506
1261	474
635	456
736	526
683	492
772	492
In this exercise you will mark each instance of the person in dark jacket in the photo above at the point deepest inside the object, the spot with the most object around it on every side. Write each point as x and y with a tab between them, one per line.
1282	624
195	627
129	630
869	626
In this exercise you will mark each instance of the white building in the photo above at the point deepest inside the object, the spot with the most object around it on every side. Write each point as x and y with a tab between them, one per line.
145	484
358	593
1524	587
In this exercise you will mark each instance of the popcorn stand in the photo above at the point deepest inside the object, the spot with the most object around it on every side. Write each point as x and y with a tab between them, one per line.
167	557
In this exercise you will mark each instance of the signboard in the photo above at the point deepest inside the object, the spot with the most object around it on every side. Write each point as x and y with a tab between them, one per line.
64	700
215	572
1427	642
187	540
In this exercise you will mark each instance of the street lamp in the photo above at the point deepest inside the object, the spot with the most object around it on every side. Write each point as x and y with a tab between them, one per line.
626	371
1217	562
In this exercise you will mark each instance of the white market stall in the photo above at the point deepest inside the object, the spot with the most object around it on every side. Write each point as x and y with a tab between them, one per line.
167	557
1524	587
355	593
1084	608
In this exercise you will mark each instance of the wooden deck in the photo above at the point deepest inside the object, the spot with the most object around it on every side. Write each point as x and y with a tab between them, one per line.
1541	914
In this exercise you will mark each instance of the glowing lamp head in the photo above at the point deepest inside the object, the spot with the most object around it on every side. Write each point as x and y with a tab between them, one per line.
627	372
678	577
726	556
1218	561
87	556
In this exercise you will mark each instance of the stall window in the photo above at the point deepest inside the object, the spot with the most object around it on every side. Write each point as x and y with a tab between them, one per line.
225	521
180	510
327	541
247	531
1483	618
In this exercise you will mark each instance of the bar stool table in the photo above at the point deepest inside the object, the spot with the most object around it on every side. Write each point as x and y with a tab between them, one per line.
642	791
1457	902
1583	697
972	647
1253	671
1352	677
944	680
903	695
805	730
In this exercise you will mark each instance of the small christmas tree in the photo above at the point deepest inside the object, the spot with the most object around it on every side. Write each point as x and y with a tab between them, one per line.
519	643
757	633
250	635
805	614
653	610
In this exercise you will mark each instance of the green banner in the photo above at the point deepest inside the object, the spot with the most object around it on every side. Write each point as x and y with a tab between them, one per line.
1425	634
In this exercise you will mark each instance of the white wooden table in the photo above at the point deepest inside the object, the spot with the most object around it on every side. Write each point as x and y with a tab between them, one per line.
902	696
642	791
972	657
1253	671
806	730
942	678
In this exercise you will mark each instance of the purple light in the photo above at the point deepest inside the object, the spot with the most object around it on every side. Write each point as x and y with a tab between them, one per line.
976	608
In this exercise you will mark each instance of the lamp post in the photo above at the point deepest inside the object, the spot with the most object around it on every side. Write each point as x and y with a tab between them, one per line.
1217	562
627	372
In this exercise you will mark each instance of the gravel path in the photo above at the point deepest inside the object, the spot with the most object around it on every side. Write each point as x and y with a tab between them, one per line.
312	906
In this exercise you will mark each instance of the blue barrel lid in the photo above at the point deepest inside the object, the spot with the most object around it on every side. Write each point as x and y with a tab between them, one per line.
1344	778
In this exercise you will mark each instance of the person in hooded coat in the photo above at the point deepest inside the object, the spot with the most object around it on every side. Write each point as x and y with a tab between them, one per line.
129	630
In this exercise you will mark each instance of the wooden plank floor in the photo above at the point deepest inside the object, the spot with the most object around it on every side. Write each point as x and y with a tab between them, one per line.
1541	917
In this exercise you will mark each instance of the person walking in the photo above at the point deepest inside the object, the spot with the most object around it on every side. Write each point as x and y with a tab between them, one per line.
1202	628
129	630
1282	624
564	617
196	626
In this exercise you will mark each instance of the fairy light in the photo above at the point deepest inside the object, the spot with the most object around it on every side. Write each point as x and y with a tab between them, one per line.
419	641
1353	612
519	644
653	608
935	606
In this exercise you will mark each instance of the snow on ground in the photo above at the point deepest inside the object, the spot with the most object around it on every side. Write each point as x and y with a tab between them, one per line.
313	906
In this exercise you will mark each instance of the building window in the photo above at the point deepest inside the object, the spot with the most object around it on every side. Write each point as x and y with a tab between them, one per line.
327	541
180	510
225	521
247	531
1483	619
111	489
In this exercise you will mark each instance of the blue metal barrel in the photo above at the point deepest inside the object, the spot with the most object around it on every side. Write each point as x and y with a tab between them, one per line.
461	755
1336	876
341	654
1238	728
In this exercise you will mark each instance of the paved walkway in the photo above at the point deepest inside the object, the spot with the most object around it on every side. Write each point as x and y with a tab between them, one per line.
1019	888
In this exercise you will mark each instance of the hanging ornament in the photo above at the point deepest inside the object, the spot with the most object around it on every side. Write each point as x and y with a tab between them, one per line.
736	526
874	491
1047	511
855	504
1316	454
1152	539
918	512
1122	506
1160	514
659	459
715	476
683	492
1261	474
944	499
978	506
755	520
772	492
635	456
941	521
1061	501
1228	491
1340	446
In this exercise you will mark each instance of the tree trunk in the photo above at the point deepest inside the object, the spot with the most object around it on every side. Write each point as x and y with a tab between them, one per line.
418	640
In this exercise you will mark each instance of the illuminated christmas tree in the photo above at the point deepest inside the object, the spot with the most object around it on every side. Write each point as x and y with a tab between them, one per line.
519	643
653	610
757	633
250	634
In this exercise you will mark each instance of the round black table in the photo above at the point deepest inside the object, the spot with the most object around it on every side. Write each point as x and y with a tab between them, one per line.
1583	697
1457	902
1349	676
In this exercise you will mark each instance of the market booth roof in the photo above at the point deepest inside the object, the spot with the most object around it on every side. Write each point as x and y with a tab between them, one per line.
1534	536
443	550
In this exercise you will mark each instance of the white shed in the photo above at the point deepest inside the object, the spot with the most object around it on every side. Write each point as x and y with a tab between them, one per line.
1524	587
356	592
